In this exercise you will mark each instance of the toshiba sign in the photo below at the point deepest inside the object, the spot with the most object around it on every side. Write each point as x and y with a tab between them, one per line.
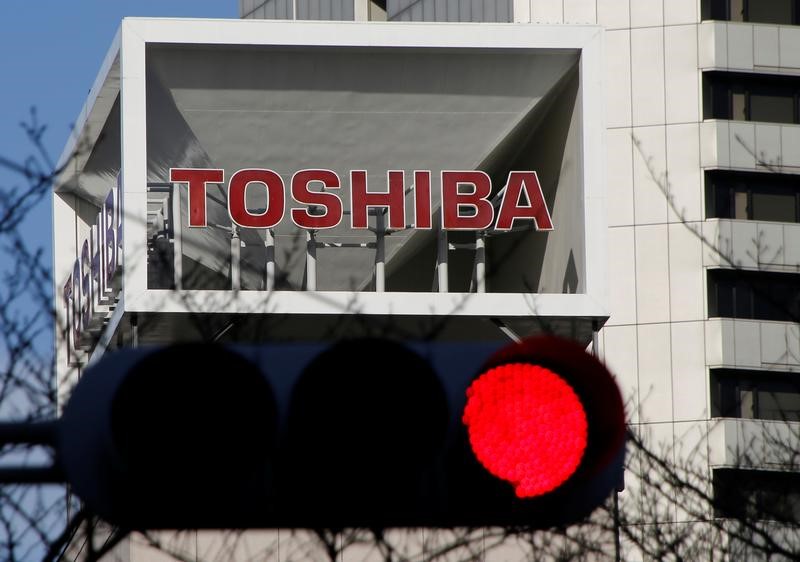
279	177
465	199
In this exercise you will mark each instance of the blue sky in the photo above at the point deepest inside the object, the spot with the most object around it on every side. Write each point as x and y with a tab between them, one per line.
50	52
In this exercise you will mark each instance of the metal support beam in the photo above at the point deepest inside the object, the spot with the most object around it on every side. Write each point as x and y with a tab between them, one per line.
236	259
510	334
480	262
311	260
442	250
177	237
31	475
269	242
32	433
134	330
380	251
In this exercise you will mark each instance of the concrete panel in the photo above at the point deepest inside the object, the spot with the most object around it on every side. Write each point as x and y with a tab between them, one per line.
723	140
655	377
691	454
689	371
765	46
793	346
677	12
684	179
791	245
646	13
691	445
680	62
740	46
659	438
789	44
621	357
718	249
613	14
744	244
647	75
719	342
768	145
743	145
618	78
710	232
769	244
169	546
580	11
724	246
720	59
652	274
238	545
620	177
790	145
621	276
686	287
774	350
747	343
547	11
650	175
711	45
709	145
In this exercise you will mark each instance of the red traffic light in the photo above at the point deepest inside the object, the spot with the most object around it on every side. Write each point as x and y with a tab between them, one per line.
547	418
365	432
527	426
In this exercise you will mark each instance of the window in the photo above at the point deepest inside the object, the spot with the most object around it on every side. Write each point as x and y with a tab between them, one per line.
752	196
751	97
786	12
763	395
757	494
753	294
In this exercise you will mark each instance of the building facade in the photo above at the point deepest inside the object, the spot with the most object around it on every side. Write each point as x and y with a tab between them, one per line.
683	117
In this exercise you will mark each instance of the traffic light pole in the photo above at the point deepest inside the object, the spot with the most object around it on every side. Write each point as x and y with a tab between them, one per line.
29	433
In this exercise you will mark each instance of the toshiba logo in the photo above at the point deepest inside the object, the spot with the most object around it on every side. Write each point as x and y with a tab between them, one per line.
316	202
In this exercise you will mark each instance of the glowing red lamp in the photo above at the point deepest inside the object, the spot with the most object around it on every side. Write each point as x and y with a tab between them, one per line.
527	426
547	417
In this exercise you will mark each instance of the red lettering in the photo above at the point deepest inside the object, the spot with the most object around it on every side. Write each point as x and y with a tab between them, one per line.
455	202
361	199
67	295
237	201
330	202
197	178
86	285
77	329
536	208
422	199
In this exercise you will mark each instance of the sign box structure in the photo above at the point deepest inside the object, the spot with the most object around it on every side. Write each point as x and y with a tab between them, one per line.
341	97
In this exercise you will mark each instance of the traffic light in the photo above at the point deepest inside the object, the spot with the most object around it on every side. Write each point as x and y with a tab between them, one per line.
364	432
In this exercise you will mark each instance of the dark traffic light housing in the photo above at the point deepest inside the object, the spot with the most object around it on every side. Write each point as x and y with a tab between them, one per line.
364	432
